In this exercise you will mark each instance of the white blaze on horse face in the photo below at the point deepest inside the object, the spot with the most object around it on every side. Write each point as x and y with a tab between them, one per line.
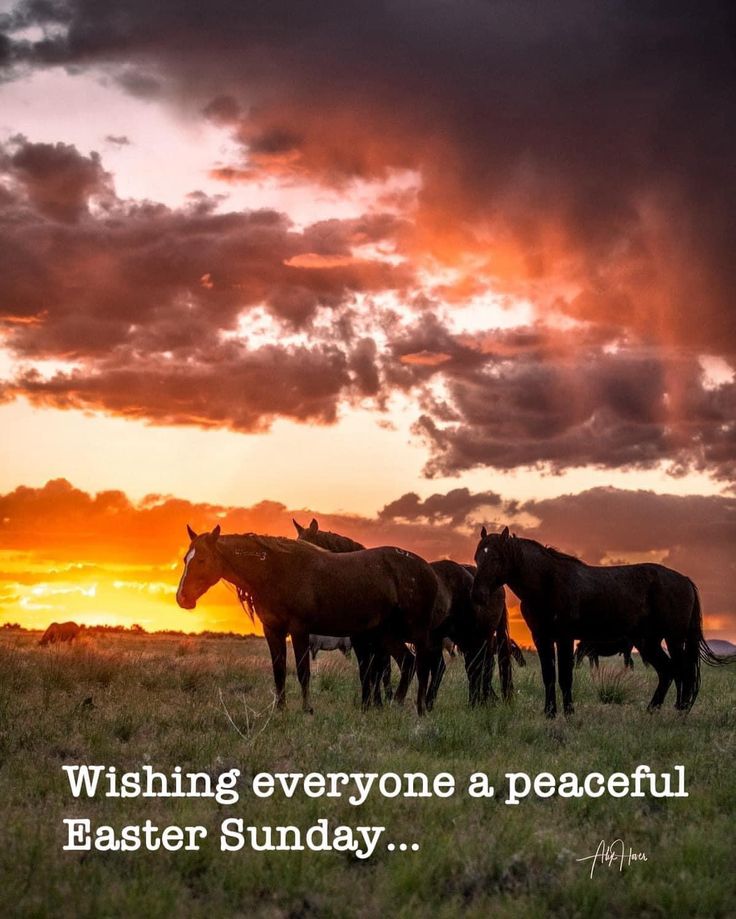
187	558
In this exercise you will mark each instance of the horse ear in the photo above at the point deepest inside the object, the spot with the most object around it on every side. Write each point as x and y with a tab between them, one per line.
483	532
297	526
192	534
313	526
505	533
216	531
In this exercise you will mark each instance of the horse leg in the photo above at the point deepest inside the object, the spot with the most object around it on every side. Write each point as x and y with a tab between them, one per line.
437	671
277	646
628	660
424	666
300	643
503	644
473	654
677	656
407	663
546	649
489	662
378	667
564	672
653	653
363	654
387	688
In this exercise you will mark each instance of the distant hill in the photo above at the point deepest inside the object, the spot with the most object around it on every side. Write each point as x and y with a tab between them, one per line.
721	647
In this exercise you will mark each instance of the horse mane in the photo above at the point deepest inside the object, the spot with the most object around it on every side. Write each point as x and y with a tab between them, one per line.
334	542
281	544
552	552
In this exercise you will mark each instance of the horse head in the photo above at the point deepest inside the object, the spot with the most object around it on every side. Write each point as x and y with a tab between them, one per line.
494	557
203	567
306	533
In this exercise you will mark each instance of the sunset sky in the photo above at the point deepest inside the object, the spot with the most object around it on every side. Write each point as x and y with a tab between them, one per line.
407	267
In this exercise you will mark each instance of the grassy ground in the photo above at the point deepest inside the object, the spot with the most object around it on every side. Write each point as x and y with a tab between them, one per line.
170	702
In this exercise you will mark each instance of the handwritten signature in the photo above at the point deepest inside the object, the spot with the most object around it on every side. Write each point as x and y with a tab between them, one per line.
612	855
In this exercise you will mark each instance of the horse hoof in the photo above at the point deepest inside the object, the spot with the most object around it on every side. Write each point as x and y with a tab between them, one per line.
550	713
569	710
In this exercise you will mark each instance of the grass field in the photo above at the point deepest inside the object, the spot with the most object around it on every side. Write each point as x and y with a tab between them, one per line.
204	704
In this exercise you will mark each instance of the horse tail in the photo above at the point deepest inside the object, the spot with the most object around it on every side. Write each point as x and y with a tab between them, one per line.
697	640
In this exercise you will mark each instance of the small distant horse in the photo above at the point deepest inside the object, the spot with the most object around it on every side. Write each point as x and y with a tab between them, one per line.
319	643
60	631
474	631
595	649
562	599
379	597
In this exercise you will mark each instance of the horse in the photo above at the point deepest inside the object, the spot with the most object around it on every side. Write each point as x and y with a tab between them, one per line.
467	627
319	643
562	599
333	542
60	631
379	597
595	649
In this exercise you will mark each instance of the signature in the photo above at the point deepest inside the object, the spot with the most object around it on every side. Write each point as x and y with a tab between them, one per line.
612	855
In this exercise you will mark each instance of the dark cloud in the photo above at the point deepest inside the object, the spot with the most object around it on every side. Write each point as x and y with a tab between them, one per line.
629	407
453	507
592	143
145	300
231	386
59	182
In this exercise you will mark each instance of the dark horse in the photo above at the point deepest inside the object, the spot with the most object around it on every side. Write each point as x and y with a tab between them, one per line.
595	649
562	599
333	542
479	634
379	597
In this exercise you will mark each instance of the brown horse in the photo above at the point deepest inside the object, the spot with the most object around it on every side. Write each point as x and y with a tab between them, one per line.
381	598
319	643
60	631
479	633
595	649
562	599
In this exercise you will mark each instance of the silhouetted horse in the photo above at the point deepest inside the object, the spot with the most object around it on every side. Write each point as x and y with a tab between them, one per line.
319	643
478	633
562	599
60	631
379	597
595	649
